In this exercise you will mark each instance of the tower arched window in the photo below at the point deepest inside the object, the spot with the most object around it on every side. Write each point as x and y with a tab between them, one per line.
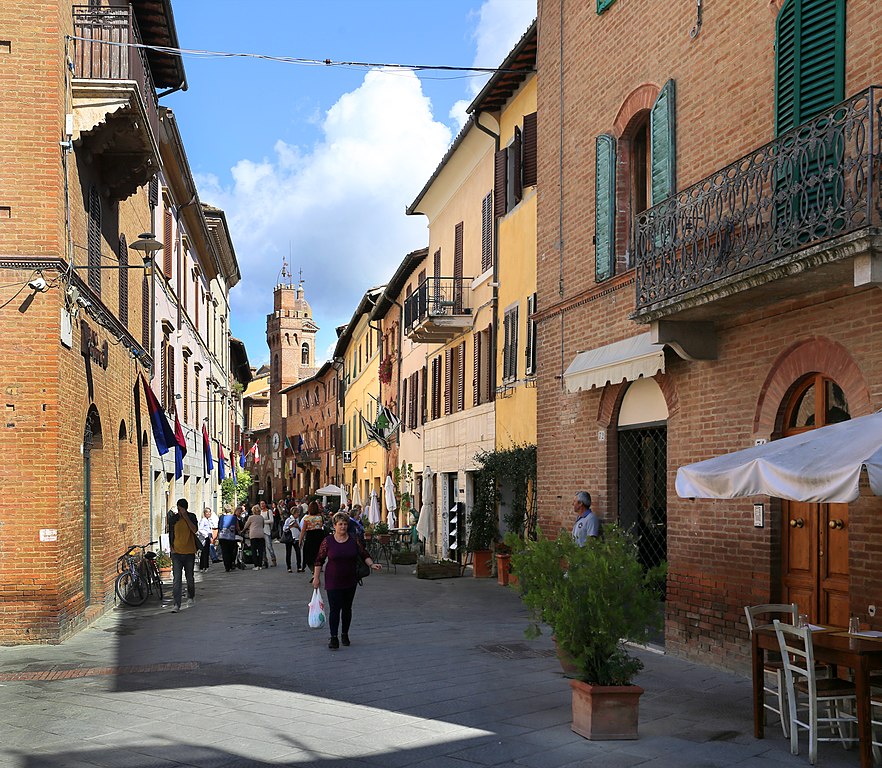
276	371
304	354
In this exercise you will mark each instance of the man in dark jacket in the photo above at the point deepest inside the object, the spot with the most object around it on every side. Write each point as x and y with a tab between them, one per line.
182	542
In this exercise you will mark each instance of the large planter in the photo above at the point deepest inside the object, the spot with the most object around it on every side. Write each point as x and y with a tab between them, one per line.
482	564
567	664
504	573
602	712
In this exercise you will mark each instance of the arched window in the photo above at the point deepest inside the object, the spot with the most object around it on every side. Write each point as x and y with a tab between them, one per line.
304	354
276	371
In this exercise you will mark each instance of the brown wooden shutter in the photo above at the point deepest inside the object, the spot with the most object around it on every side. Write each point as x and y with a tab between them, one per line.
167	243
404	406
145	314
424	391
123	281
460	405
94	241
186	390
448	381
487	233
499	177
529	172
517	186
170	397
436	384
436	263
457	269
476	370
490	375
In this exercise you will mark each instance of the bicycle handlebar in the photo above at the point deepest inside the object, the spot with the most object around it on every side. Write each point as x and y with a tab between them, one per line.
137	546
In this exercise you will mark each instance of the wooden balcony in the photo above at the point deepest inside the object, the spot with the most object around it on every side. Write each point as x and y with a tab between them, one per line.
795	216
439	310
116	113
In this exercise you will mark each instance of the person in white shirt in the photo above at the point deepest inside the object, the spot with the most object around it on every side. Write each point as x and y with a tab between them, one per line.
291	537
267	514
587	523
206	528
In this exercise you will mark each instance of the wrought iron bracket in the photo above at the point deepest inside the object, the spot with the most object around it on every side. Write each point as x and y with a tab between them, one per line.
690	340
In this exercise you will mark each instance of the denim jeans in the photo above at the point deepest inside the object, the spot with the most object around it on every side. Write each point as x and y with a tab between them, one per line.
185	562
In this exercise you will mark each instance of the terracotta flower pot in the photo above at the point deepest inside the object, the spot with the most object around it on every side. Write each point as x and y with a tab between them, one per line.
481	564
503	569
602	712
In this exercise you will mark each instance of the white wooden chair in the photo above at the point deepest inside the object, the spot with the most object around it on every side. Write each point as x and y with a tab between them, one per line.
805	692
876	715
761	617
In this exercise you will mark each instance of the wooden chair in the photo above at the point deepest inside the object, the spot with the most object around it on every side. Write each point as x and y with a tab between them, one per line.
761	617
801	680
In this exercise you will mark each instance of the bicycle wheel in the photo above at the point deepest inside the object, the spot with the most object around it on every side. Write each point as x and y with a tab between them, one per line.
155	579
130	588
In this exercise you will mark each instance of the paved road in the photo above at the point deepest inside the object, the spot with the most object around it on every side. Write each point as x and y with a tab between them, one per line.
439	675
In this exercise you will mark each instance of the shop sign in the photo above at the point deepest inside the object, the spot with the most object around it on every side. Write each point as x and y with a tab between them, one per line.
89	345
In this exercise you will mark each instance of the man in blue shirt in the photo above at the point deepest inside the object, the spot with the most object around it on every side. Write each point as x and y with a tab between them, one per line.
587	523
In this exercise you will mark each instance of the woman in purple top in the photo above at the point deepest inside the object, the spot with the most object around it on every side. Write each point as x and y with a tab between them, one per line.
341	552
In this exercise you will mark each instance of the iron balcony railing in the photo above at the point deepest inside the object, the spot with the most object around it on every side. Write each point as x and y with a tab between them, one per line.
437	297
104	49
817	182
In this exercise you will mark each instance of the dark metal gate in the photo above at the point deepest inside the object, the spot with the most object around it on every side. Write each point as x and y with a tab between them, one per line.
643	489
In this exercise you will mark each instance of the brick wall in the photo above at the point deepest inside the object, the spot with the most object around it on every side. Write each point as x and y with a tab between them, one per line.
725	90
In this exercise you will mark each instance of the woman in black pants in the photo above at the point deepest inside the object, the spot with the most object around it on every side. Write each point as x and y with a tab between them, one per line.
227	529
291	538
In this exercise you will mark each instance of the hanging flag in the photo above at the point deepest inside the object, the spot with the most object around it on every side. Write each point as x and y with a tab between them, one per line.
299	443
241	455
221	460
180	447
163	434
288	445
207	459
256	451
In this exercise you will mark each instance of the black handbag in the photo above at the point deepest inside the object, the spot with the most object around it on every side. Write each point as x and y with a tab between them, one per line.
362	569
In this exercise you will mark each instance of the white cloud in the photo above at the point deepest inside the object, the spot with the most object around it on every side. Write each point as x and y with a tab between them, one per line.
501	23
338	205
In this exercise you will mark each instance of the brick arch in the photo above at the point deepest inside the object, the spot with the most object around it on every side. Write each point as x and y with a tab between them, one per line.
813	355
611	400
639	100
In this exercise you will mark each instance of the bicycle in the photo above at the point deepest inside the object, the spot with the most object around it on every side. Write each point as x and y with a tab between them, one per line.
138	575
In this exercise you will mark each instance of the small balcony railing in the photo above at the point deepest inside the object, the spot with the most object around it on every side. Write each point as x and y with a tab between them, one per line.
815	183
103	50
438	301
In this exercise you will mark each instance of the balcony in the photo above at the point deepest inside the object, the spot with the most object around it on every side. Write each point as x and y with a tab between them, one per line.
797	215
116	113
439	310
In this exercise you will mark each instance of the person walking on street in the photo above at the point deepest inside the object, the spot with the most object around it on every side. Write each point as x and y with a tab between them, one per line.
253	530
341	553
291	538
227	530
182	542
587	524
205	530
311	534
267	514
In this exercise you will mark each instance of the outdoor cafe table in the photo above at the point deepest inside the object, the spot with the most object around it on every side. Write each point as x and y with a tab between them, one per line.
832	645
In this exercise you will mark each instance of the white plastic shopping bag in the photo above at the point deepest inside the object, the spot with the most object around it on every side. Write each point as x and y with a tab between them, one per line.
316	610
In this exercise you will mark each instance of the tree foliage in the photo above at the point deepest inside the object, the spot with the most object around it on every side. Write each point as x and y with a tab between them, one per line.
240	488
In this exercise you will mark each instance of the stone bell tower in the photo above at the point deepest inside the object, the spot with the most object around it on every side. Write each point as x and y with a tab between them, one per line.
290	335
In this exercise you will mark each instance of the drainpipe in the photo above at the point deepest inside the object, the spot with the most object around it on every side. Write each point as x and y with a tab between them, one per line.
495	249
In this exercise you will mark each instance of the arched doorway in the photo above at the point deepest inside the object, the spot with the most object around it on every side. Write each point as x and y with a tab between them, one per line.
642	469
814	551
91	443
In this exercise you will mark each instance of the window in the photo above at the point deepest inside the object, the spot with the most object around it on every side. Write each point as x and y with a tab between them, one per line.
487	233
809	60
482	372
510	345
457	268
435	410
94	241
123	281
530	350
304	354
515	167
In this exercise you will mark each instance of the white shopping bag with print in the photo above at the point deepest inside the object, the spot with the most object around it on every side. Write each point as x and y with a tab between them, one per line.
316	610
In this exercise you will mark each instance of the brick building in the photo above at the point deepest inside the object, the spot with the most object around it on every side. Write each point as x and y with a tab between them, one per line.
75	317
707	277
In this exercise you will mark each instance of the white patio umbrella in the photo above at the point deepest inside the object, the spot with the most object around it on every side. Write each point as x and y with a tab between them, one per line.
344	499
374	508
356	494
391	504
426	523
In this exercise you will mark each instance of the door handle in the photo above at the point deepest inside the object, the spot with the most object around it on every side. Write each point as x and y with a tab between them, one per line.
836	524
797	523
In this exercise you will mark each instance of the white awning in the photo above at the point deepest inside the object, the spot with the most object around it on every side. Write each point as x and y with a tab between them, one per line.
821	465
626	360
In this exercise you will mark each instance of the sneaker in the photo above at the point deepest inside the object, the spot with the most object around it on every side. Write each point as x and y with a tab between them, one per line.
175	608
191	601
344	639
333	644
290	571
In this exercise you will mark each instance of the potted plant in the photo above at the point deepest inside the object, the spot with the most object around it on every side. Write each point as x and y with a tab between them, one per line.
164	564
594	598
381	530
483	527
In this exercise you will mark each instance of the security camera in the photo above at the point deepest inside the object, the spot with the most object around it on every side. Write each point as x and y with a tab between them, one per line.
83	302
38	284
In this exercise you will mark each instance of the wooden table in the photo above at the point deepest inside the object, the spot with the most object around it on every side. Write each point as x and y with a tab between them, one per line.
831	646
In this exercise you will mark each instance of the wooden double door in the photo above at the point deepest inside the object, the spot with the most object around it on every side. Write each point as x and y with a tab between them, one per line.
814	551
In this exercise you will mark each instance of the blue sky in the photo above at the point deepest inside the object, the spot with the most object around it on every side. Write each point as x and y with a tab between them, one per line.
320	162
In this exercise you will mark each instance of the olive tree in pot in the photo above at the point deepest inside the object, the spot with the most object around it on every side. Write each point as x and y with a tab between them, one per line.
483	525
594	598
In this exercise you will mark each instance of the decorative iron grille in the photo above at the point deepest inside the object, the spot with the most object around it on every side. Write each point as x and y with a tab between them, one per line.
437	297
816	182
643	496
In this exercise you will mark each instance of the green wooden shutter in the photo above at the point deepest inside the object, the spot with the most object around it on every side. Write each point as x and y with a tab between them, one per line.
809	60
662	146
604	207
602	5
